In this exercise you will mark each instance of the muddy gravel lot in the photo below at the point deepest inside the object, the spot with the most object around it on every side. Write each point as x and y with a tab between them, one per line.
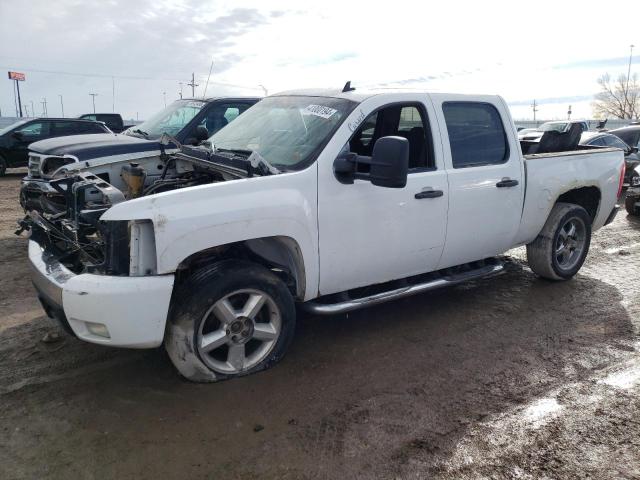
509	377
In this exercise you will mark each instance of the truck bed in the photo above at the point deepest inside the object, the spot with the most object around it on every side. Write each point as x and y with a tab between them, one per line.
596	171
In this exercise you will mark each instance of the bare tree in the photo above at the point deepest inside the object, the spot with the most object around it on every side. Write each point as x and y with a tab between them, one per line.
619	99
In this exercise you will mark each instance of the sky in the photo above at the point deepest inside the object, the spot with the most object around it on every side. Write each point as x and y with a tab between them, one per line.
142	50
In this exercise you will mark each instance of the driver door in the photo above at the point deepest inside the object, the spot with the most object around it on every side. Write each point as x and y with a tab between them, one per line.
370	234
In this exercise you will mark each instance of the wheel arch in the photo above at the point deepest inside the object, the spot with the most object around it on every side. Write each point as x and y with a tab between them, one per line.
588	198
281	254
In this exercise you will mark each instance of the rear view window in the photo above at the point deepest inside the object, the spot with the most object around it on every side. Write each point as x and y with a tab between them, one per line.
476	134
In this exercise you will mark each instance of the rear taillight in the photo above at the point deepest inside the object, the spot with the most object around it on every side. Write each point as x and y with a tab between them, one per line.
621	179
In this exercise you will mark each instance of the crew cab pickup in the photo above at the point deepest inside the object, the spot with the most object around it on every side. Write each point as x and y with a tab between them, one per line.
326	199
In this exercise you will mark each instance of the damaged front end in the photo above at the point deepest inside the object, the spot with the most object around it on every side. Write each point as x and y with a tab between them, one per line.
66	217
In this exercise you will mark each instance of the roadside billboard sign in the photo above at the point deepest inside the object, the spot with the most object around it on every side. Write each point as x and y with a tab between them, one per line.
20	77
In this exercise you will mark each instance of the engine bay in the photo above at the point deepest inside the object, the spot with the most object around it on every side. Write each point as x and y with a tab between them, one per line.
64	212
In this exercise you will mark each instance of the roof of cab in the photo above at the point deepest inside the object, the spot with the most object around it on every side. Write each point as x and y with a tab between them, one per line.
353	95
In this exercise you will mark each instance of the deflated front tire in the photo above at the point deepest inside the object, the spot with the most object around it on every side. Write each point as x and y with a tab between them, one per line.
230	319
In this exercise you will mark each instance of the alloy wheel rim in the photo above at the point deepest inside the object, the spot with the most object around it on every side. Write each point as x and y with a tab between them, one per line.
238	331
570	243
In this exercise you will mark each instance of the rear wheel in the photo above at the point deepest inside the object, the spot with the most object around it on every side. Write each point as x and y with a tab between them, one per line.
231	319
630	204
560	249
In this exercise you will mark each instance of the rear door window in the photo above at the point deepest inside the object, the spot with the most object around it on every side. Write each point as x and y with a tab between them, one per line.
476	134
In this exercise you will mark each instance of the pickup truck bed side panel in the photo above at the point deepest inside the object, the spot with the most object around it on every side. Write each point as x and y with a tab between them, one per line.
191	220
550	175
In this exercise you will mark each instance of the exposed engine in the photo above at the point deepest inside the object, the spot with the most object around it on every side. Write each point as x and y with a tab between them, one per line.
64	213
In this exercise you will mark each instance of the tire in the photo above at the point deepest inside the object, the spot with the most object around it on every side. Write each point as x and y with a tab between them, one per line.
3	167
630	204
560	249
239	310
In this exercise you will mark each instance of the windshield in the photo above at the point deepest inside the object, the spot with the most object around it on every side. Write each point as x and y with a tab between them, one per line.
288	132
170	120
557	126
12	126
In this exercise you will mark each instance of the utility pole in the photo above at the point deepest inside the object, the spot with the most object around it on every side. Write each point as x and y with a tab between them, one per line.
569	113
26	110
61	105
93	99
164	95
181	84
33	109
113	95
264	89
45	114
534	105
626	90
193	85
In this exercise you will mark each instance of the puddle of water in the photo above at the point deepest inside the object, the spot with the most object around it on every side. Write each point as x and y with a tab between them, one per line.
541	409
625	379
618	249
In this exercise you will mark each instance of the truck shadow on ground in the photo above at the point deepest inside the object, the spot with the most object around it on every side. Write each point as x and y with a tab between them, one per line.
371	394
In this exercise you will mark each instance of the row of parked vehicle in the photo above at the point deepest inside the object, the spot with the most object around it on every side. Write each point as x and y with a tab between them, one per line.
204	227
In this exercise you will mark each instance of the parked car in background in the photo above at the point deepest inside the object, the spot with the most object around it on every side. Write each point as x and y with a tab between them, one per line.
557	126
112	120
189	121
602	139
16	138
307	198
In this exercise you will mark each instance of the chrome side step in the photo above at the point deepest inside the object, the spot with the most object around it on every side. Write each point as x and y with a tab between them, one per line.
445	281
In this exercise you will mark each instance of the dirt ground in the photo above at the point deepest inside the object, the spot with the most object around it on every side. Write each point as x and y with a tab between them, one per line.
509	377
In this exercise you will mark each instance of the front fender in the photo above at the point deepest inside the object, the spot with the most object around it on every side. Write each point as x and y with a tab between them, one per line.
191	220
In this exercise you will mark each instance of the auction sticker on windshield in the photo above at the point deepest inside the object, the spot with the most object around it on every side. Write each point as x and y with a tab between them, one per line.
319	111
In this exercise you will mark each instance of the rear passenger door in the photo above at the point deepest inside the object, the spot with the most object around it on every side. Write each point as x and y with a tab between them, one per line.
485	173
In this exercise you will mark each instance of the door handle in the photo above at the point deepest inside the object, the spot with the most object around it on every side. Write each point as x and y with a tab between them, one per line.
507	182
429	194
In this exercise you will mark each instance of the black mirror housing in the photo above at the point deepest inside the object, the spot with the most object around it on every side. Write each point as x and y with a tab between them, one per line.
390	162
388	165
202	133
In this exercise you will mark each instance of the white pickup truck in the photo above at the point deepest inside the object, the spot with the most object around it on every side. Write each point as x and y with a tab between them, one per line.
327	199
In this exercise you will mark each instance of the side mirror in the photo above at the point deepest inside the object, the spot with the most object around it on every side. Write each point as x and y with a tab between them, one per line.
633	150
388	164
17	135
202	133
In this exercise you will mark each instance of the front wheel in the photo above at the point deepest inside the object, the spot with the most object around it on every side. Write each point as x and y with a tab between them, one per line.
231	319
630	204
560	249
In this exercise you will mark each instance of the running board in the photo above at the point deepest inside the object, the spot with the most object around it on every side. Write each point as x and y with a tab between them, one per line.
445	281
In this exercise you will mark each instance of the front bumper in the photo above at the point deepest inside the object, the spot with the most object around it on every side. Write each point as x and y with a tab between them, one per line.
109	310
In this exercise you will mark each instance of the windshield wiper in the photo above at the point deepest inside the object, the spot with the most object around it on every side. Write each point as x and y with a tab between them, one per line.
239	151
257	163
141	132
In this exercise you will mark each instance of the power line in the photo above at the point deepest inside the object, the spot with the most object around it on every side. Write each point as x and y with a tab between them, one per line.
123	77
